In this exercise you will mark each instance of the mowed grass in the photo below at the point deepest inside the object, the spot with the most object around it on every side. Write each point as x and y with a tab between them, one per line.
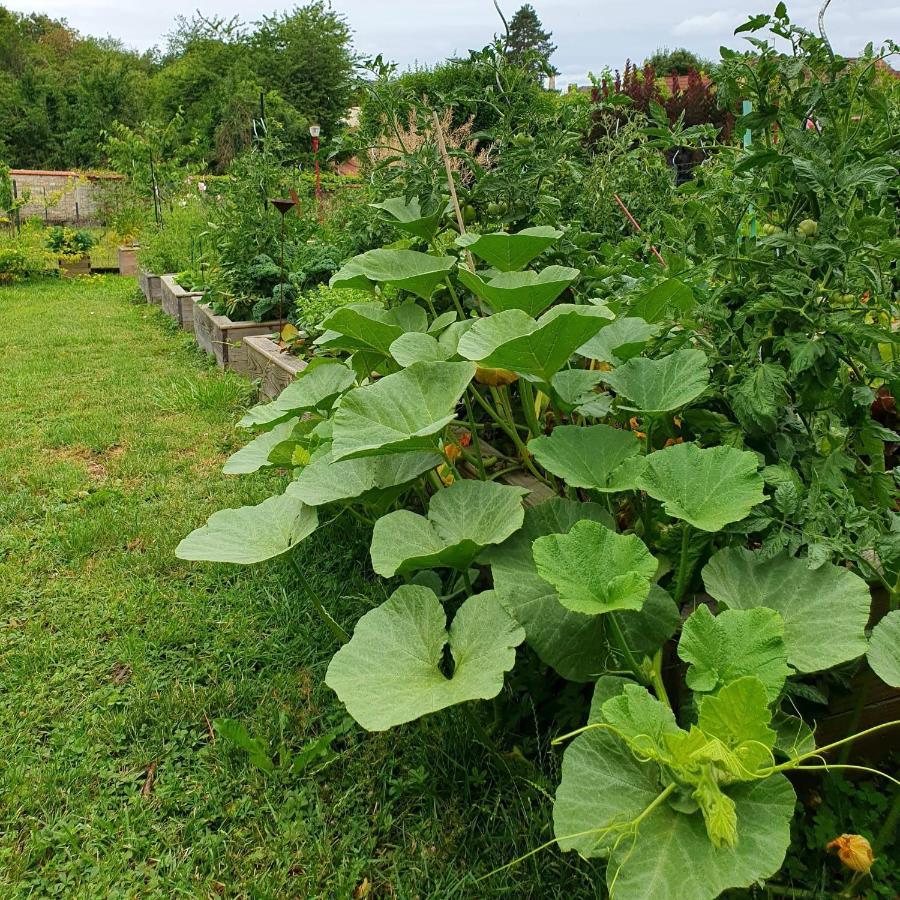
116	658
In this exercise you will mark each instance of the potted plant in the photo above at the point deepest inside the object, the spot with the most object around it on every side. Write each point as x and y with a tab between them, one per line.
73	247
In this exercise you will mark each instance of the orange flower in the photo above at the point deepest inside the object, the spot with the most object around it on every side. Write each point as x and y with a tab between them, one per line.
672	441
452	452
635	425
444	473
494	377
465	440
854	851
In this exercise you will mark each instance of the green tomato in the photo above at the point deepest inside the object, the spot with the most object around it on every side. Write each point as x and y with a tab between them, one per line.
468	214
522	140
808	228
769	229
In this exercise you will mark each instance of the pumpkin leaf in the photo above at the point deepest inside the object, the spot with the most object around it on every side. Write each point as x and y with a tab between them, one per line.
415	346
598	457
255	455
369	326
316	387
326	480
510	252
570	642
529	291
605	787
407	215
390	671
619	341
250	534
404	411
409	270
664	300
574	387
723	648
708	488
462	520
594	569
660	385
884	649
804	597
540	348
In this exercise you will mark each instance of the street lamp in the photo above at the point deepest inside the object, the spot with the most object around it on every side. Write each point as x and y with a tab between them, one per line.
314	132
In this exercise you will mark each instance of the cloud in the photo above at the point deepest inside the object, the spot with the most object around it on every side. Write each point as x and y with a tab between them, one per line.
714	23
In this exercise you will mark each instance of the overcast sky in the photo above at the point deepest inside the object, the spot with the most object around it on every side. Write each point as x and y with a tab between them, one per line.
590	34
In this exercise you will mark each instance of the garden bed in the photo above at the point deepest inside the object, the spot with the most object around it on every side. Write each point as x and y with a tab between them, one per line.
128	262
151	286
178	302
273	369
223	338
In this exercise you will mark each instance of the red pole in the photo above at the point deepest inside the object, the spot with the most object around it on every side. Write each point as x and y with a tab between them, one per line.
315	143
637	227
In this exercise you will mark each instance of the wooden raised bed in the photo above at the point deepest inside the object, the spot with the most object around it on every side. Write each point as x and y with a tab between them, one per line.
223	338
128	264
273	369
178	302
69	268
151	286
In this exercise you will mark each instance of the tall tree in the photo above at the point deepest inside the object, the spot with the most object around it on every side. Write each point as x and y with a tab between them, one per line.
679	61
305	55
527	42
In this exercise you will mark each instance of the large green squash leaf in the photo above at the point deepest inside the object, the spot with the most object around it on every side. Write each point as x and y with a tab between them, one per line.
664	301
825	610
462	520
251	534
510	252
316	388
735	643
401	412
407	215
619	341
595	570
513	340
604	787
884	649
709	488
360	326
531	292
647	630
325	480
255	455
570	642
390	672
598	457
409	270
739	716
416	346
661	385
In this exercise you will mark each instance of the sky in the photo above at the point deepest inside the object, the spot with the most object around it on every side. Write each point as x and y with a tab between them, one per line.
590	34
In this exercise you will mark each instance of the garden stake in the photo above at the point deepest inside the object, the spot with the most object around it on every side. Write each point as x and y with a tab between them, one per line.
638	228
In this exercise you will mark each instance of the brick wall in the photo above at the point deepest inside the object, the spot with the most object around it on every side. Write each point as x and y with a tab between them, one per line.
60	198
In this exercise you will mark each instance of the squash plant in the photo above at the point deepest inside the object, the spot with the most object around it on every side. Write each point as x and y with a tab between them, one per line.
422	413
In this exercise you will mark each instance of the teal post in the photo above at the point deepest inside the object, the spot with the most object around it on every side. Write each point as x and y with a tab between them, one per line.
746	108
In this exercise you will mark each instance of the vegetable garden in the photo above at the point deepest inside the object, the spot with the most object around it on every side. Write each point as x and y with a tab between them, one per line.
623	450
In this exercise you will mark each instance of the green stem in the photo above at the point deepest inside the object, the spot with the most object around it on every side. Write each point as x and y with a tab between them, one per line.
526	395
492	413
455	298
476	444
656	680
524	455
682	578
467	581
335	628
621	644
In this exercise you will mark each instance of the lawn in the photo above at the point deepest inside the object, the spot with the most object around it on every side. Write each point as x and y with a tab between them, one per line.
117	659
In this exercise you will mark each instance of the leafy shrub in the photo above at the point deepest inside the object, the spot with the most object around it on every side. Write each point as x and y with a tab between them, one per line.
13	264
69	242
314	305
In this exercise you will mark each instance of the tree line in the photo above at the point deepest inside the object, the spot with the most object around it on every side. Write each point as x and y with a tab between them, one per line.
61	92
